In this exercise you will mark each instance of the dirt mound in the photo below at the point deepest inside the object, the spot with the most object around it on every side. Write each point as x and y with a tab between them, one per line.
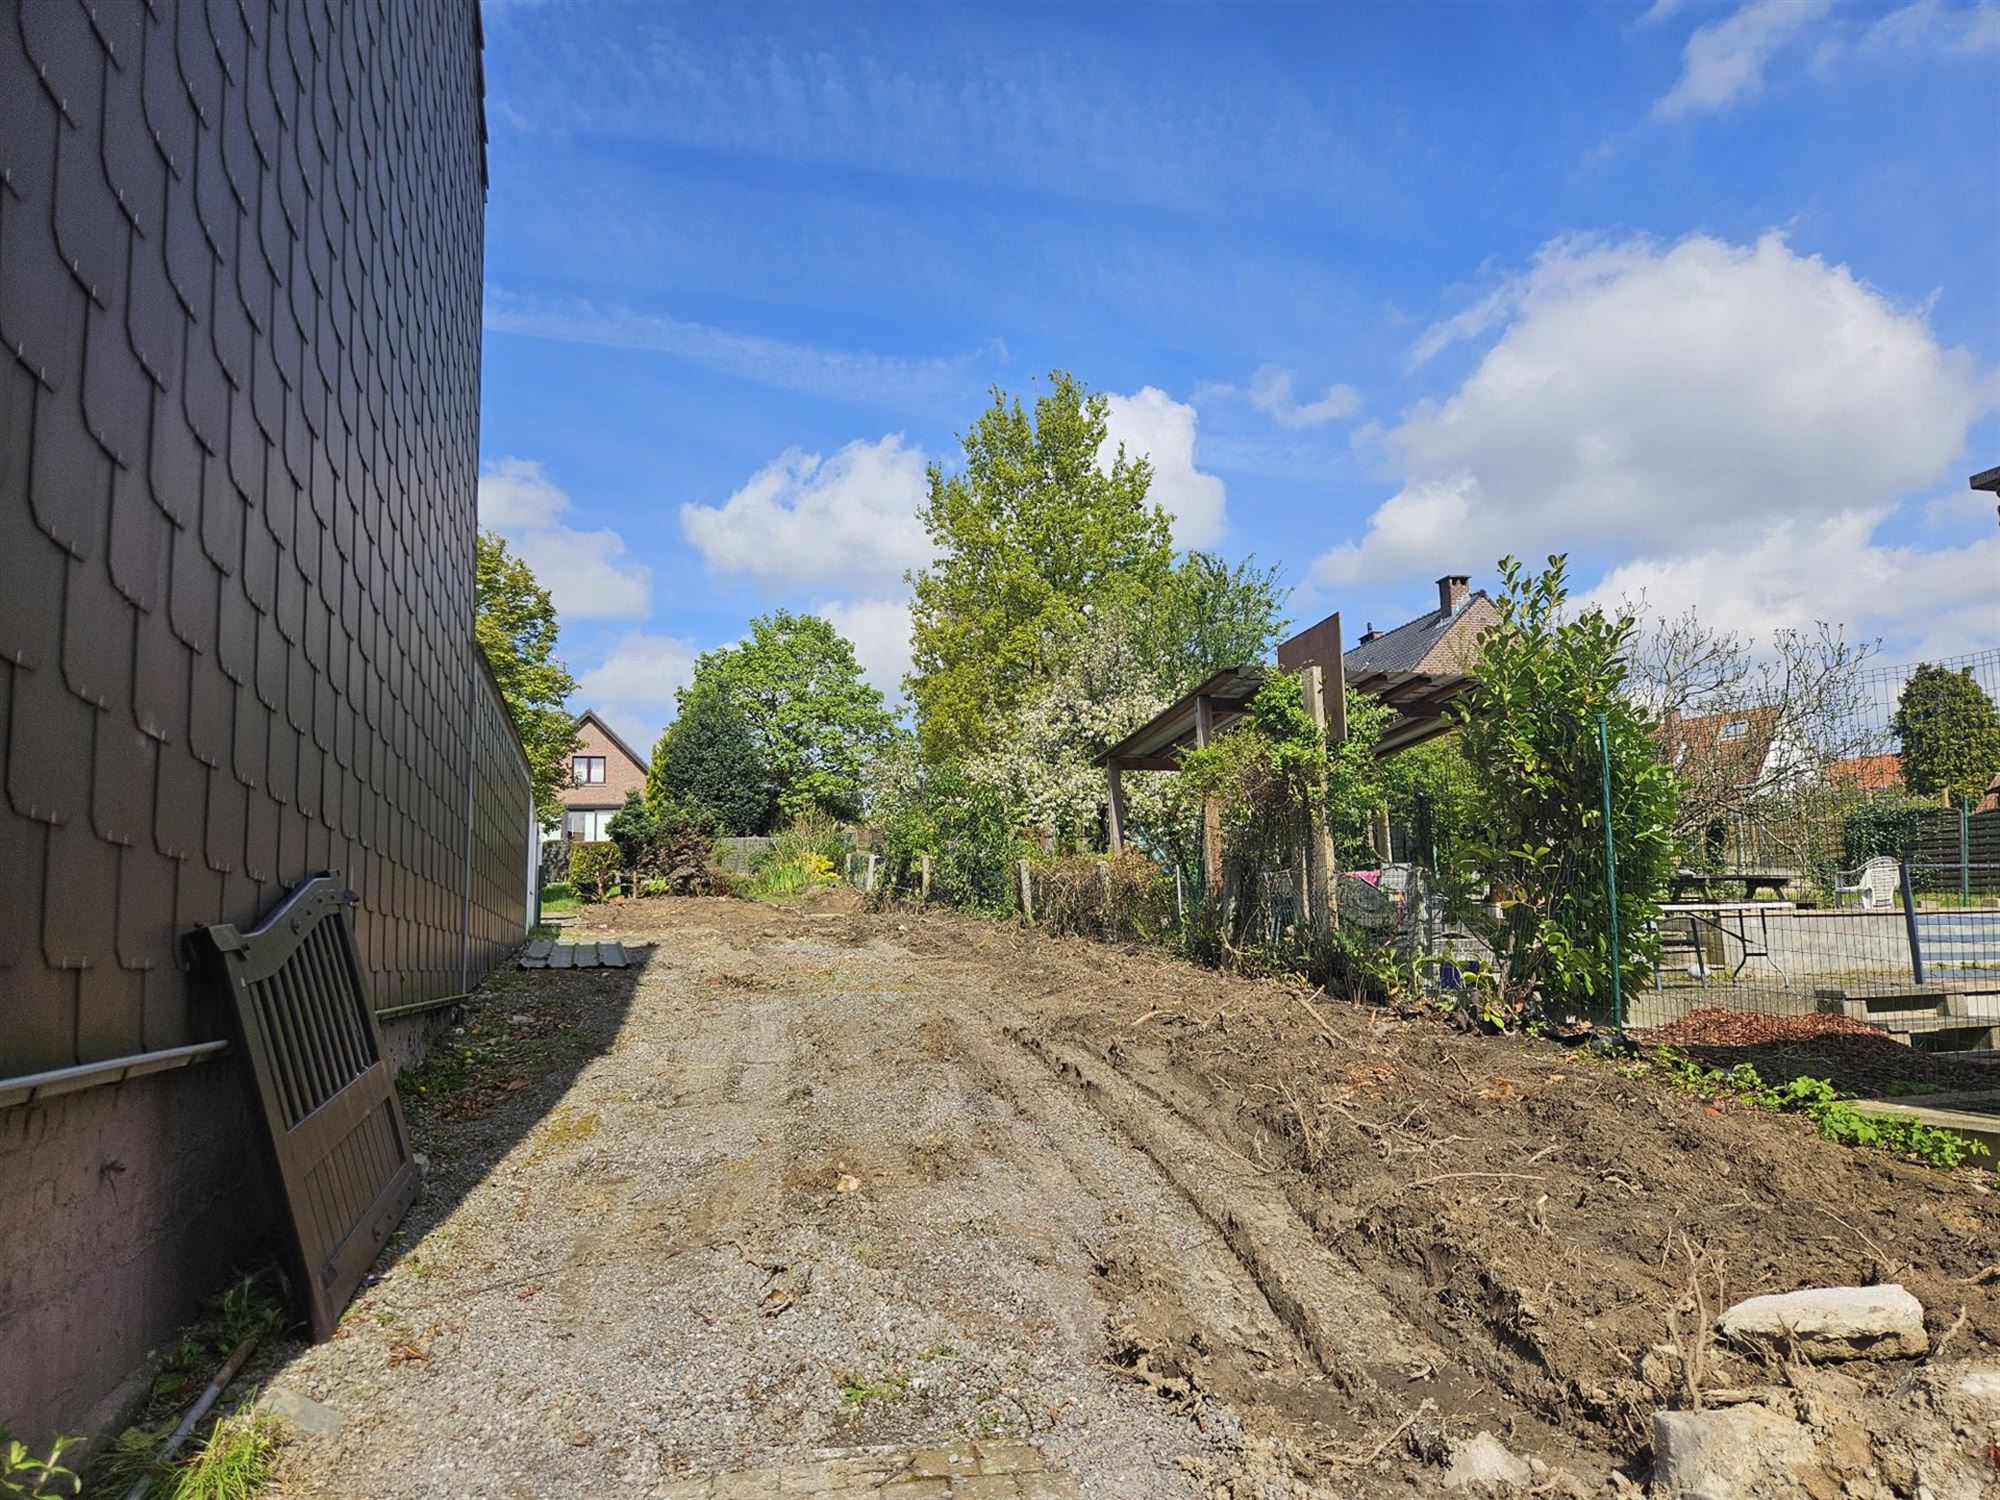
1558	1225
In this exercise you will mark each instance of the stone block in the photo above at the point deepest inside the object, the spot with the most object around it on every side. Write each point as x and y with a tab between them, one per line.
1483	1461
1732	1453
1834	1322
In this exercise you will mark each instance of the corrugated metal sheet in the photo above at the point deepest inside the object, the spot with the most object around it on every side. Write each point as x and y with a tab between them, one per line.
240	271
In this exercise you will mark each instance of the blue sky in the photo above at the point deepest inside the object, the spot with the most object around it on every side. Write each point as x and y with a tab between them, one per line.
1707	295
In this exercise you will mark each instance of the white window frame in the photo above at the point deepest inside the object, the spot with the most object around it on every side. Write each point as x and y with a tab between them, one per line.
580	767
586	825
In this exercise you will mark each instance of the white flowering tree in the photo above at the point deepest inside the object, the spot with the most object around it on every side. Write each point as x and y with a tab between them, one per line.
1103	687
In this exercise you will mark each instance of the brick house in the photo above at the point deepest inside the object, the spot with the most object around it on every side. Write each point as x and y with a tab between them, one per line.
602	770
1438	643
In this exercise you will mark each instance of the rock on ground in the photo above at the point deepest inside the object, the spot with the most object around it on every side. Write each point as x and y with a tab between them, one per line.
1732	1453
1485	1461
1835	1322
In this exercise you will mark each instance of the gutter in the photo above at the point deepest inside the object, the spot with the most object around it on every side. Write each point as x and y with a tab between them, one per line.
31	1088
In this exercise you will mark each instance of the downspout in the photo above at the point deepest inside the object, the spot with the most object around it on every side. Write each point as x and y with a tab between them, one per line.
471	767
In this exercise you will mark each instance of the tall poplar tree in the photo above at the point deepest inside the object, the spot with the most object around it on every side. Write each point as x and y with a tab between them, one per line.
1029	534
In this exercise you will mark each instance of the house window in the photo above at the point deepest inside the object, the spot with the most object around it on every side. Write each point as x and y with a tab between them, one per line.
588	770
1735	729
587	825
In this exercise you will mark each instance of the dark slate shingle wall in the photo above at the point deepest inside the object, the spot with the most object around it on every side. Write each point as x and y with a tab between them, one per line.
239	310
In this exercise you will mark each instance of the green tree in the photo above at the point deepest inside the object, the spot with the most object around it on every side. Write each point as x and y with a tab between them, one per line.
1949	732
515	625
813	719
1528	732
1207	615
1027	534
706	767
632	828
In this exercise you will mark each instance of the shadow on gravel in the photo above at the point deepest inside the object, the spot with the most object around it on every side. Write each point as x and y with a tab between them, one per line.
499	1072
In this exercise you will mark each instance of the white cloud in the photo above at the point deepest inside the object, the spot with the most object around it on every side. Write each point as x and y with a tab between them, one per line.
1931	602
802	521
1928	26
634	686
1724	60
586	572
1150	423
1695	411
1271	393
880	631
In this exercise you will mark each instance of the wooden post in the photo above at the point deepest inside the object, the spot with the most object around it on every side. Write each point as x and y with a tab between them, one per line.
1318	892
1114	781
873	860
1211	808
1027	892
924	879
1335	689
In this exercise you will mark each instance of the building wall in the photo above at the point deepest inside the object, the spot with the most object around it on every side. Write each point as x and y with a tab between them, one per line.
240	265
622	774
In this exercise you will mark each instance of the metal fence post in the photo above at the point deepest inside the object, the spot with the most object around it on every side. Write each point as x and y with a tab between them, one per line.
1611	879
1910	923
1964	850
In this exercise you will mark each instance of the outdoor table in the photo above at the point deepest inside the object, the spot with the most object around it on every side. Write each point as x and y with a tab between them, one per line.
1733	919
1686	881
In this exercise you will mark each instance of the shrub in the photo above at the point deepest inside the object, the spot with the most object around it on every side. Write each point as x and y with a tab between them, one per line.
1882	825
1528	729
965	826
781	878
596	868
654	885
814	834
633	829
678	860
1124	896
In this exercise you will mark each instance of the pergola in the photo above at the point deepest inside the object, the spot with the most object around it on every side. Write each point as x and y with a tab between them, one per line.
1195	719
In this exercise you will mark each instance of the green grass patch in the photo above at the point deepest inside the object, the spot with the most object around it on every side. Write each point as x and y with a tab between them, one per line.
236	1461
1831	1112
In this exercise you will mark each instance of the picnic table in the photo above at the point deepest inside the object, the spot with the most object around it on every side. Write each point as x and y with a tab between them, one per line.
1705	887
1747	923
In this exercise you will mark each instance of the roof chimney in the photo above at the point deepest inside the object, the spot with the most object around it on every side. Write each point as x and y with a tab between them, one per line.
1369	634
1452	589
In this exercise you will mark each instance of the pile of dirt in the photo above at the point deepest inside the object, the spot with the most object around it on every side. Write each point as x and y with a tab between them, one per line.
1855	1057
1712	1026
1557	1223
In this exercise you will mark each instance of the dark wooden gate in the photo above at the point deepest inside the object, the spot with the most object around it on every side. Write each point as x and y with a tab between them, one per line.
312	1046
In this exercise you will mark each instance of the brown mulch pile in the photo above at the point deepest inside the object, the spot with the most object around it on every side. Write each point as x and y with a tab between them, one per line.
1852	1055
1714	1027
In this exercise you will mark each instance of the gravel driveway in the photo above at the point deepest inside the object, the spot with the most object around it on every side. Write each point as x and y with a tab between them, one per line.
776	1210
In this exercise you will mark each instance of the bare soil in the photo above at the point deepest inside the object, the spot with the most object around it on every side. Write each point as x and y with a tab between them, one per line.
815	1180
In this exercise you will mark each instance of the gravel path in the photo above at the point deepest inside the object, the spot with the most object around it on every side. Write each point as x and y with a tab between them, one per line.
775	1200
